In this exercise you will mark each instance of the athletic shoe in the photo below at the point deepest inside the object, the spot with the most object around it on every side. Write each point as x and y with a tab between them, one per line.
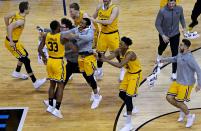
92	94
134	111
96	102
192	24
127	127
99	74
50	109
181	116
174	77
57	113
16	74
190	120
38	83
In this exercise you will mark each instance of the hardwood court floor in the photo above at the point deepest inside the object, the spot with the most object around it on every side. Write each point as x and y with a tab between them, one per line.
136	20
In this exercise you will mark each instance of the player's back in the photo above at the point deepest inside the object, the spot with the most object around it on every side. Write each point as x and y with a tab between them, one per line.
55	48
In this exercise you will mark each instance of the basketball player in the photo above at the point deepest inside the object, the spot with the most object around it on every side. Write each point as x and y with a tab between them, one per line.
132	78
180	89
194	16
56	70
107	14
77	15
15	24
164	3
86	59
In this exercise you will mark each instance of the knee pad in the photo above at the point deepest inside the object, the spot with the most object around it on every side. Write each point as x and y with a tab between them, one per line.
129	103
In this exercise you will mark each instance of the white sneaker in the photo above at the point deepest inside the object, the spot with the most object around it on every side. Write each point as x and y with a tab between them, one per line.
16	74
92	94
174	76
99	74
57	113
190	121
127	127
38	83
50	109
122	73
96	102
46	102
134	111
181	116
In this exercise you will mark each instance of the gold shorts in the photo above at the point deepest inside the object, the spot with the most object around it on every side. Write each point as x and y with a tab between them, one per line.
131	83
106	41
181	92
56	70
18	50
87	64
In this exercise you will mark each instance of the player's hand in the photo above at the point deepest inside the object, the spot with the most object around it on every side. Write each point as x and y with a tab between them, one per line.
44	60
12	44
197	88
184	30
165	39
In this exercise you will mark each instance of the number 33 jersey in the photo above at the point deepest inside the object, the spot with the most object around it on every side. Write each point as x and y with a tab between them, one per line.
55	48
55	64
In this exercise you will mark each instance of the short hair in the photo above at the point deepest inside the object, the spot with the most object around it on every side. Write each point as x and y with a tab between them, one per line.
75	6
67	23
171	0
54	25
127	40
88	21
186	42
23	6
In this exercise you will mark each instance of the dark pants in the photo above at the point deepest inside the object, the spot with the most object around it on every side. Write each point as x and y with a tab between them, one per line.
195	13
174	44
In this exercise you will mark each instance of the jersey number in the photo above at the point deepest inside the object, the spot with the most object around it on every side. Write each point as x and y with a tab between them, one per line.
53	46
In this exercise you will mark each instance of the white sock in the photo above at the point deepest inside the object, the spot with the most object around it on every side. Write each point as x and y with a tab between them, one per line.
128	119
99	69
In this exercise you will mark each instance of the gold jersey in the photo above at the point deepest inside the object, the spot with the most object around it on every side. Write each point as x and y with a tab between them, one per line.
55	48
164	3
78	20
17	31
105	15
132	66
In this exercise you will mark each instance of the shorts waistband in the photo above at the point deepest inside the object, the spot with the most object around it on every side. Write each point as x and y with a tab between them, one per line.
55	57
15	41
135	72
86	53
110	32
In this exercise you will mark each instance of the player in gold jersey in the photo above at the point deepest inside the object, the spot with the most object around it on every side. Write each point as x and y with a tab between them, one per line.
15	24
107	14
77	15
164	3
132	78
56	70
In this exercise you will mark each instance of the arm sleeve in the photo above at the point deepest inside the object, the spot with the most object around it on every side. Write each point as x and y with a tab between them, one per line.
194	65
169	59
158	22
182	20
